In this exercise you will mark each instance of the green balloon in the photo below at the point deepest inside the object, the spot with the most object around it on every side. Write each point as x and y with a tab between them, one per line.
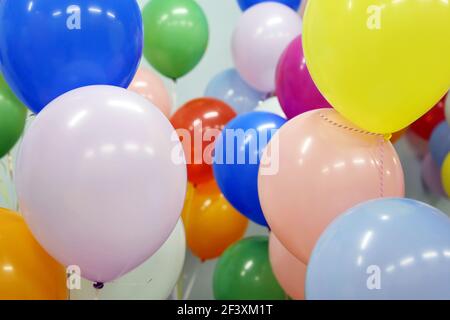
244	273
12	118
175	36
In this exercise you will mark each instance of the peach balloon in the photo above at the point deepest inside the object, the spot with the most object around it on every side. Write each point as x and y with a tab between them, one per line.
289	271
321	166
150	86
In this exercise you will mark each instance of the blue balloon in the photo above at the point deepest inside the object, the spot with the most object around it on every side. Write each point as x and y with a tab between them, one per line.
237	155
49	47
440	143
229	87
245	4
383	249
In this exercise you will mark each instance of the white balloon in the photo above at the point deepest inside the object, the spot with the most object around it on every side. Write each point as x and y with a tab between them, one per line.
271	105
153	280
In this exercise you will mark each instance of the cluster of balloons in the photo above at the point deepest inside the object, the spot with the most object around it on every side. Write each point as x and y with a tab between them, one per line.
96	170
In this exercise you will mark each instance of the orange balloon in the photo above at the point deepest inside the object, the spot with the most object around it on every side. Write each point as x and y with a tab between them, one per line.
27	272
211	223
198	124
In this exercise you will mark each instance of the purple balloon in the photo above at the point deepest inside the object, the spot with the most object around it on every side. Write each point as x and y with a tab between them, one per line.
101	180
431	176
295	88
260	36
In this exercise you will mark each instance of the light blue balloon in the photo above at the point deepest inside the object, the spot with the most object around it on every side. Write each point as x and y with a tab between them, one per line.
383	249
229	87
440	143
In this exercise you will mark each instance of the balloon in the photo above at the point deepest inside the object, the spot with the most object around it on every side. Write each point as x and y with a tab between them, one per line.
418	144
211	223
431	176
260	36
237	159
426	124
447	108
95	180
396	136
245	4
12	118
153	280
295	88
176	36
48	47
381	64
445	175
27	272
244	273
440	143
325	166
150	86
198	123
229	87
289	271
388	249
271	105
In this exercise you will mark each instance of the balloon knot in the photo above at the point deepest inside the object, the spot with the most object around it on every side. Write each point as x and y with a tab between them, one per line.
98	285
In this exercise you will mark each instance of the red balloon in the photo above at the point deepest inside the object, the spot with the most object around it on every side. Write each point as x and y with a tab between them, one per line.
198	124
425	125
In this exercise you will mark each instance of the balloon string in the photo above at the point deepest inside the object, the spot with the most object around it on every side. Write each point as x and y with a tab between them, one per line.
381	166
190	285
174	94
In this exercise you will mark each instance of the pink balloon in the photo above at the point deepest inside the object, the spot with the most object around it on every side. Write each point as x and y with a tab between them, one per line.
295	89
431	176
322	165
289	271
150	86
98	182
261	35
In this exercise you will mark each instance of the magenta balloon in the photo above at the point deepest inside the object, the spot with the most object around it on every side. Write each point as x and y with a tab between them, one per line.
260	37
431	176
98	182
295	88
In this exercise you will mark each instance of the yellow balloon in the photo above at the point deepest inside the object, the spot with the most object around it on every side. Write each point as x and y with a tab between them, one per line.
26	270
382	64
445	174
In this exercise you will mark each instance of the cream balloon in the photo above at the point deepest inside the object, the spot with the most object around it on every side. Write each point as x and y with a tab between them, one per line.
271	105
153	280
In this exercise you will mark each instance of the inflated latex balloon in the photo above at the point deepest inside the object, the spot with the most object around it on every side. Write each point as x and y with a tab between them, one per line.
439	144
153	280
12	118
260	37
49	47
211	222
150	86
95	180
176	36
237	160
27	272
325	165
445	175
271	105
198	124
431	176
386	249
381	64
245	4
424	126
447	108
295	89
289	271
229	87
244	273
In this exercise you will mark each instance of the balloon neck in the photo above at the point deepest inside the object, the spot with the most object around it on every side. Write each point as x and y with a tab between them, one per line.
387	136
98	285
